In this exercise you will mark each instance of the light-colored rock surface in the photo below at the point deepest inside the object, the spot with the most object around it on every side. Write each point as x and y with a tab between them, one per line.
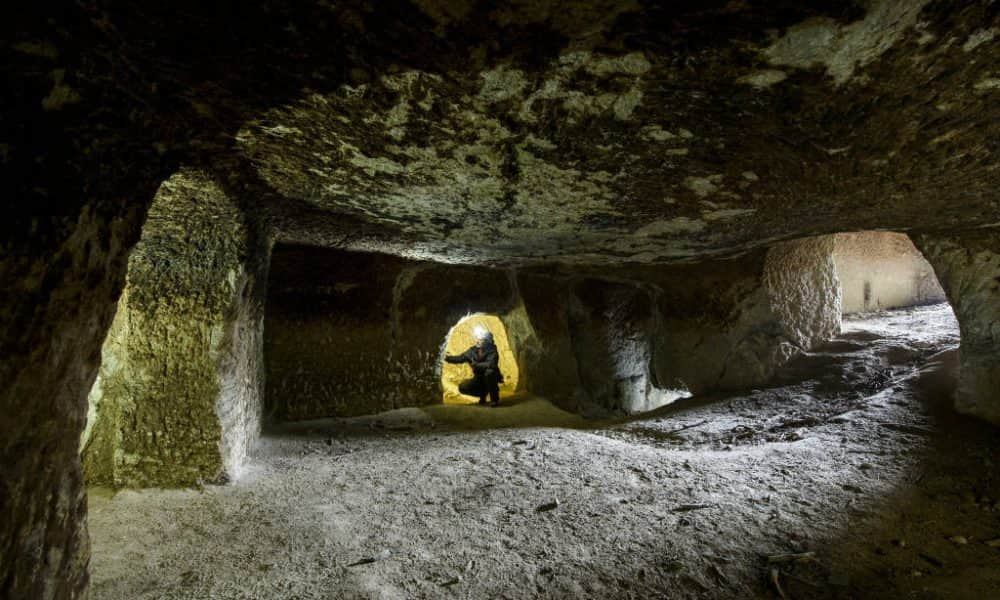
177	401
589	146
880	270
842	49
730	324
801	282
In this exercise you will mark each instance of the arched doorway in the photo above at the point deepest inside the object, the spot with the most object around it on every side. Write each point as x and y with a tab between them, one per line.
883	270
460	338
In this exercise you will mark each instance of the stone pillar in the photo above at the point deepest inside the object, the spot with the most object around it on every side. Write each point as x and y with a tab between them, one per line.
177	399
968	267
803	289
729	324
715	326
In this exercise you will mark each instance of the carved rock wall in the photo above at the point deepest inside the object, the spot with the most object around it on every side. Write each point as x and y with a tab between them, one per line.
78	174
177	399
879	270
351	333
57	302
547	359
729	324
613	326
716	328
968	267
803	290
354	333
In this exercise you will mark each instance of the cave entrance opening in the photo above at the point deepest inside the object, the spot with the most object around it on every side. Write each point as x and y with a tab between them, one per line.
460	338
881	274
895	315
883	270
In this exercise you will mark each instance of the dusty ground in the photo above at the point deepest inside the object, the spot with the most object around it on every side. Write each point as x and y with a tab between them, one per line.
853	456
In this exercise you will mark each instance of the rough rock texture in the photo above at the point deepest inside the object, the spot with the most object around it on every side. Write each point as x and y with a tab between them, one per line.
327	332
77	179
177	400
352	333
717	329
730	324
968	266
589	349
803	290
58	299
590	132
647	335
879	270
622	146
610	329
546	359
804	465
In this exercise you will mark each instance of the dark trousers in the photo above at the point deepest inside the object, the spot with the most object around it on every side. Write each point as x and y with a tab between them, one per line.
480	387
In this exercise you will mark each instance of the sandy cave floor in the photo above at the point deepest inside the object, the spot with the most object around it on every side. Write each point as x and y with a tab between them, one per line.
853	455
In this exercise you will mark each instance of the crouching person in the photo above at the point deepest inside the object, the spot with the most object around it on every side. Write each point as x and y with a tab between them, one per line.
485	362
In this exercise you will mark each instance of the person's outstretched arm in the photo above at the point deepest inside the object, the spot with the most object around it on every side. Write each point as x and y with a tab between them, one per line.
465	357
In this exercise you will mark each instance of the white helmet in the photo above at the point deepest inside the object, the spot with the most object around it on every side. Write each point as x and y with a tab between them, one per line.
481	333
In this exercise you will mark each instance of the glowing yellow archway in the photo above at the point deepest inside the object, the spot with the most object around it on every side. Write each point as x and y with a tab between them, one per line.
459	340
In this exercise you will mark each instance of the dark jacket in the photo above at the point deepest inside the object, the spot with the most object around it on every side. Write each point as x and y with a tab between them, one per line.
486	366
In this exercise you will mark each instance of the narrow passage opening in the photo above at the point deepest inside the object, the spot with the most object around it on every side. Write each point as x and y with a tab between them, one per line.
462	338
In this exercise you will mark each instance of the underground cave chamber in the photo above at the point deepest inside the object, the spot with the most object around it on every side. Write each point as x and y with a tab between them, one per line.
633	188
344	334
214	339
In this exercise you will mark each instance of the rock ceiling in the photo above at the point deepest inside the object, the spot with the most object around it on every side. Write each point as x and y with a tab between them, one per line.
612	133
